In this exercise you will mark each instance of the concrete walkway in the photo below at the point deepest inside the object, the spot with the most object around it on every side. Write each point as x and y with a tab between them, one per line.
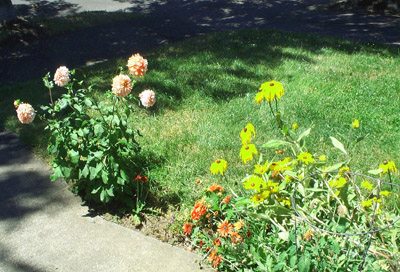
44	227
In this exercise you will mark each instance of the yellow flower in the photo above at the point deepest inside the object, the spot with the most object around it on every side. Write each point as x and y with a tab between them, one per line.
284	201
365	184
367	203
269	90
282	165
305	157
384	193
343	169
247	133
254	183
239	224
338	183
247	151
294	126
257	198
219	166
322	158
260	169
387	166
355	123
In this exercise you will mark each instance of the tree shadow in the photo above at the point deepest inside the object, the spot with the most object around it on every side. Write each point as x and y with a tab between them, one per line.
34	9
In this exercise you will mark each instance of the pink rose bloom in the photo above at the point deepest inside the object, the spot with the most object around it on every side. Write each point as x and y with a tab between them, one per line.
61	77
122	85
148	98
25	113
137	65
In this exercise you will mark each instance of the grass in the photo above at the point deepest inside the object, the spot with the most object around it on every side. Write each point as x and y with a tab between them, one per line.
205	91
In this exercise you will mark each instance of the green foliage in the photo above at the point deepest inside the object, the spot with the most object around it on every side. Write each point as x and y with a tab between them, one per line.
297	216
93	146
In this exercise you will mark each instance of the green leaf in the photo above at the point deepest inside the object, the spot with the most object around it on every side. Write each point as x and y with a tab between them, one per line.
334	167
124	175
116	121
57	174
74	156
98	154
66	172
272	144
94	191
94	171
304	263
285	130
85	171
88	102
104	176
78	107
120	181
98	130
375	171
293	261
304	134
110	191
104	196
336	143
284	235
49	84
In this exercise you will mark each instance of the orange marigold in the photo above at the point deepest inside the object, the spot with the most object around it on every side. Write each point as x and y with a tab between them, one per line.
212	255
217	242
226	200
198	210
187	228
215	187
236	237
217	261
224	228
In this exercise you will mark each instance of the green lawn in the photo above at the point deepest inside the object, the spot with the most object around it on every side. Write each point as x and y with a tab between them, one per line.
205	91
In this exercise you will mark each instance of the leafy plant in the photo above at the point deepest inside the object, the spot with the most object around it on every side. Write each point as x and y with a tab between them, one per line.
93	144
339	219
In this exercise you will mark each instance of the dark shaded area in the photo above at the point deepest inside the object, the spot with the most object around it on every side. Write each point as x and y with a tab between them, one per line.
36	8
23	190
170	21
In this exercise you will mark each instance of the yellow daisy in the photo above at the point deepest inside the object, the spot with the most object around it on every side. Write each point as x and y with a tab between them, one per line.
219	166
247	133
247	151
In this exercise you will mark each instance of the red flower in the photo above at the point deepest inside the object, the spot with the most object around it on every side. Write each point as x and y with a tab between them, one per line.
217	242
187	228
198	210
140	178
226	200
217	261
215	187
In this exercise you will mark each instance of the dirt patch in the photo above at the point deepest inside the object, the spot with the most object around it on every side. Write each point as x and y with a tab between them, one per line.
161	227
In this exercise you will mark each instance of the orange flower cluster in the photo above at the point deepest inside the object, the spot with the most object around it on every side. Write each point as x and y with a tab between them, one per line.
187	228
226	200
214	258
199	210
140	178
215	187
